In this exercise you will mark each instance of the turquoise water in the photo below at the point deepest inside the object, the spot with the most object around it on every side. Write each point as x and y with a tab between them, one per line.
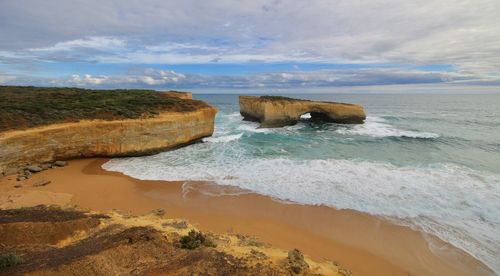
431	162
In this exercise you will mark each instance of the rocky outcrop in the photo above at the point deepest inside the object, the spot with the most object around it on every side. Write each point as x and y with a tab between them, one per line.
99	138
54	241
178	94
273	111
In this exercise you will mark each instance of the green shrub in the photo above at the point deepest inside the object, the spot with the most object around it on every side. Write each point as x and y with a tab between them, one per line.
276	98
194	240
27	106
9	260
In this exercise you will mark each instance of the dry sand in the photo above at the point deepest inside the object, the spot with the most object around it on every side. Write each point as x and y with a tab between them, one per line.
366	244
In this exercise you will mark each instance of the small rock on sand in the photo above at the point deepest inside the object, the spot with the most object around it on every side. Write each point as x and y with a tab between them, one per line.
41	183
61	163
46	166
34	169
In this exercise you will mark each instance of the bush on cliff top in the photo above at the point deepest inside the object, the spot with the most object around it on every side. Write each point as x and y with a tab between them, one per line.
24	107
194	240
278	98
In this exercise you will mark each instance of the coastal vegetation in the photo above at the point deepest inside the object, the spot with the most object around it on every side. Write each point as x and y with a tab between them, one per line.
27	106
194	240
117	243
278	98
8	260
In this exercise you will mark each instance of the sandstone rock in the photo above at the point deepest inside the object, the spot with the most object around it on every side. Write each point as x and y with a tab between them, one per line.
10	171
41	183
21	178
46	166
281	111
131	137
61	163
178	94
34	168
26	174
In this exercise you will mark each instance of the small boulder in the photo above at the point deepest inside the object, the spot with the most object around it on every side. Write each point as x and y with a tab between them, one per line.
18	185
61	163
46	166
26	174
21	178
34	169
41	183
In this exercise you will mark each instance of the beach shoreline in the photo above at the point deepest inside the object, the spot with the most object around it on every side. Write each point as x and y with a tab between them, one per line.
366	244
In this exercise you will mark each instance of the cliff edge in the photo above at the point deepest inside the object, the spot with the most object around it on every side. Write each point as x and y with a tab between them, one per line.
127	123
50	240
275	111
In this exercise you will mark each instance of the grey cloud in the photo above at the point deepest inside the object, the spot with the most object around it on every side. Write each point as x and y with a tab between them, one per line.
463	33
153	78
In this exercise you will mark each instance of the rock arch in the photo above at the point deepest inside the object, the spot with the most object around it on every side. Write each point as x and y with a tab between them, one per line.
272	111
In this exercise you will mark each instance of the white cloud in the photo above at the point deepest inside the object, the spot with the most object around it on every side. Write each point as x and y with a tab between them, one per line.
88	79
94	42
148	77
153	78
462	33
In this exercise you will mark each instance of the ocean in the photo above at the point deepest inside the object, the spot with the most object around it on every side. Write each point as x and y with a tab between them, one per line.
428	161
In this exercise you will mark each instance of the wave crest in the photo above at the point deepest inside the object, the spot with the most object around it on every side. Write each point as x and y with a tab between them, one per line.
378	128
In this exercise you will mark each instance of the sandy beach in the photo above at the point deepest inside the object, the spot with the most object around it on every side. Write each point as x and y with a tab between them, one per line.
366	244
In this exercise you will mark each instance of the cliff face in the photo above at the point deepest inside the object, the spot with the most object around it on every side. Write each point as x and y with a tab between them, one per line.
178	94
279	111
104	138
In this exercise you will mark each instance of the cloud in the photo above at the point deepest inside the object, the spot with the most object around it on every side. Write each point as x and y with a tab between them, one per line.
4	78
94	42
161	79
462	33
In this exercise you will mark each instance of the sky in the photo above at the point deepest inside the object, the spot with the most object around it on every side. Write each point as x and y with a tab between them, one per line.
258	44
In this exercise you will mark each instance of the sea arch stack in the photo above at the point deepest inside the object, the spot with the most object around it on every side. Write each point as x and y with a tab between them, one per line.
276	111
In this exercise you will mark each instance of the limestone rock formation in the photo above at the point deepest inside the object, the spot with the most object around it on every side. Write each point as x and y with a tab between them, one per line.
99	138
180	95
273	111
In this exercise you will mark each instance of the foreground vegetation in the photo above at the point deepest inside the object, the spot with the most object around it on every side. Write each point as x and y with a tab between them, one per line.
194	240
27	106
8	260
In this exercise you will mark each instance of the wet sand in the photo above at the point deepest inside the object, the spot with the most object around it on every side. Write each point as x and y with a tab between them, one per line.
366	244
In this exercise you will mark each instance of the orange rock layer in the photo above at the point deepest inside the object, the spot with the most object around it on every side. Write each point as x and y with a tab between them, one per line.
98	138
279	111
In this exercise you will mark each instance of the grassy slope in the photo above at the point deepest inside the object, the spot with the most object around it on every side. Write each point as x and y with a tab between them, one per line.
24	107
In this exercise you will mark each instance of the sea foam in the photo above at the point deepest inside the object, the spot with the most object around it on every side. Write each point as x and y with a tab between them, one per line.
457	204
378	127
223	139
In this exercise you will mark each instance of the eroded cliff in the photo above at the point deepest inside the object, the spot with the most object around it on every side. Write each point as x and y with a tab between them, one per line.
90	138
280	111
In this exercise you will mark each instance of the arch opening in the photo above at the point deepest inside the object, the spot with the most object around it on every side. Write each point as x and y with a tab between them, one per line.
314	116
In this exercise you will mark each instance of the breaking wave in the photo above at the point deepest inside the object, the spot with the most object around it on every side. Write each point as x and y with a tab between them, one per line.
377	127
